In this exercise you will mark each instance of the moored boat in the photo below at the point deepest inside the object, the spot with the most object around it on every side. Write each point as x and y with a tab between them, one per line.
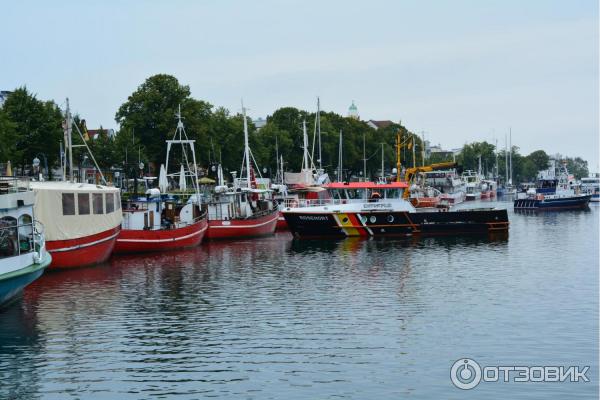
472	185
354	211
159	222
23	255
591	185
553	192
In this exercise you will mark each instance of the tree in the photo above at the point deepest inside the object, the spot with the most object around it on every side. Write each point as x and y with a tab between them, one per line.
149	113
469	157
8	138
578	167
539	160
38	127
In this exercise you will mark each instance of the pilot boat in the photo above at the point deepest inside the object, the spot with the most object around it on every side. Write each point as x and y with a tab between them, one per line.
374	209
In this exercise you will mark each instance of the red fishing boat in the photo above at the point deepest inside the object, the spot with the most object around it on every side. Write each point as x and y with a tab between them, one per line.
243	209
160	222
81	220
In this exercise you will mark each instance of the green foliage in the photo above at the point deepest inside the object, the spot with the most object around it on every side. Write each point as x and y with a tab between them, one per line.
8	138
469	157
577	166
37	124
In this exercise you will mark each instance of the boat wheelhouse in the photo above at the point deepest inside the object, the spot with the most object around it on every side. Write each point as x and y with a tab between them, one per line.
472	182
372	209
591	185
23	255
450	185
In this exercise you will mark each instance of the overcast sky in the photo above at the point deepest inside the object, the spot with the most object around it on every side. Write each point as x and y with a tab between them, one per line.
459	70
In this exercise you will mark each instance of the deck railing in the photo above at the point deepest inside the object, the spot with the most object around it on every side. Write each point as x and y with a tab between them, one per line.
13	184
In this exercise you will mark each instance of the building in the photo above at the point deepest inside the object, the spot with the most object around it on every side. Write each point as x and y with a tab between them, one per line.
3	96
438	151
259	123
95	133
353	111
379	124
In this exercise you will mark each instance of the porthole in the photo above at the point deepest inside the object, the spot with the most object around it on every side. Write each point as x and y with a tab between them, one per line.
390	218
345	219
373	219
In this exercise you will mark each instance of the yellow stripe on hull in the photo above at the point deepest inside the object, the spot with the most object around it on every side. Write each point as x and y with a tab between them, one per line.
347	226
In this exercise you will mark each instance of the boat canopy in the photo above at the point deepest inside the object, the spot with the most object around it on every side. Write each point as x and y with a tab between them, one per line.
367	185
72	210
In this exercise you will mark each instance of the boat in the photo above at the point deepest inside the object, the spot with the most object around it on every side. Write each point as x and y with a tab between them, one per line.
242	210
450	185
373	209
81	220
472	182
424	196
553	192
591	185
158	222
23	255
488	188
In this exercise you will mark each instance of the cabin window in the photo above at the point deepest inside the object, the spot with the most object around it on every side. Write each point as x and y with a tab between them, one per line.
97	203
110	203
117	201
83	202
68	203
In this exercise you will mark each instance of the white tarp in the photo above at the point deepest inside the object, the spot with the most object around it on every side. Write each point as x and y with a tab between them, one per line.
299	178
163	183
182	185
48	209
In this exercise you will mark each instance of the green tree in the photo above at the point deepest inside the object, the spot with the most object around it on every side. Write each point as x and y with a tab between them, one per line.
38	127
469	157
150	111
8	138
577	166
539	160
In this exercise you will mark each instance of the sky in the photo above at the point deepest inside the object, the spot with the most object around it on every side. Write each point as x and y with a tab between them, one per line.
459	71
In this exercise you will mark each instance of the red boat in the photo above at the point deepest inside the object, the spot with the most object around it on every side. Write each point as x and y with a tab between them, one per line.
241	210
255	226
81	221
145	229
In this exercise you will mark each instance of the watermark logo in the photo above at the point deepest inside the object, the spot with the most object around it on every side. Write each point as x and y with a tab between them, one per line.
467	374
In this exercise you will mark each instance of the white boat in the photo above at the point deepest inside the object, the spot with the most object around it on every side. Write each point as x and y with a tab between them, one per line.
23	255
591	185
472	182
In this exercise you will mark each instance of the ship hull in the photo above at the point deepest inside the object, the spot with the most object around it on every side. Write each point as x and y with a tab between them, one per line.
84	251
141	241
242	228
395	223
11	284
564	203
281	224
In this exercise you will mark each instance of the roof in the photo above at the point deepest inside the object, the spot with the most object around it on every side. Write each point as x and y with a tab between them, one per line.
381	124
65	186
367	185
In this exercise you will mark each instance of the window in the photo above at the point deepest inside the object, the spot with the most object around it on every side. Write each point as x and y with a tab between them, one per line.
118	201
68	203
97	202
83	202
110	202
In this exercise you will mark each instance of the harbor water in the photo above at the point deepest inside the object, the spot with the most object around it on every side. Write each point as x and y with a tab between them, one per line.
277	318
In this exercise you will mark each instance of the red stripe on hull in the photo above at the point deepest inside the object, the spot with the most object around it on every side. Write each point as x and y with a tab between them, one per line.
237	228
83	251
138	241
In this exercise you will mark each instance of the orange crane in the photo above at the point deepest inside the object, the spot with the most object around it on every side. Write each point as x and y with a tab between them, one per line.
410	172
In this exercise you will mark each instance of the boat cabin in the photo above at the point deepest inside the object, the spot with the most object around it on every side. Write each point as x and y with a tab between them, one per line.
365	191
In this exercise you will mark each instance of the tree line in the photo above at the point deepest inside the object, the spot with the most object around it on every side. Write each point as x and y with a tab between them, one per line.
29	127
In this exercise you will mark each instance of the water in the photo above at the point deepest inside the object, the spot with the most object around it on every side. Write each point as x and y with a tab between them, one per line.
277	318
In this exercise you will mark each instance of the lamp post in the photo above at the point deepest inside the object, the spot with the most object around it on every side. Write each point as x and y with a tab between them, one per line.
36	165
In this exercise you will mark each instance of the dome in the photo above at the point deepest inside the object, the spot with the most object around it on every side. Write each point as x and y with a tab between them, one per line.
353	111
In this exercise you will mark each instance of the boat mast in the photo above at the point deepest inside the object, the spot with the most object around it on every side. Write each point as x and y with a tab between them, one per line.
277	160
305	164
382	174
246	146
423	148
398	156
340	168
413	149
364	160
68	139
510	155
319	131
505	160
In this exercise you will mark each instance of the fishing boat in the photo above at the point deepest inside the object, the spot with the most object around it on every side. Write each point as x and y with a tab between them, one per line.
81	220
372	209
472	182
452	188
553	192
488	188
592	185
424	196
23	255
243	209
158	222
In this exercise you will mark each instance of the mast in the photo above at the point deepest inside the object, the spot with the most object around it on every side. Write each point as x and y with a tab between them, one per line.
340	168
319	131
510	154
505	160
364	160
398	156
246	146
423	148
413	149
305	164
382	173
69	139
277	159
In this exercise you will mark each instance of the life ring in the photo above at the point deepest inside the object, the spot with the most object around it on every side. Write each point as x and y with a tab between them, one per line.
539	197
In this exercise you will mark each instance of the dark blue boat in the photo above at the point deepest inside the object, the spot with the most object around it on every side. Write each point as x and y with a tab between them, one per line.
553	192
